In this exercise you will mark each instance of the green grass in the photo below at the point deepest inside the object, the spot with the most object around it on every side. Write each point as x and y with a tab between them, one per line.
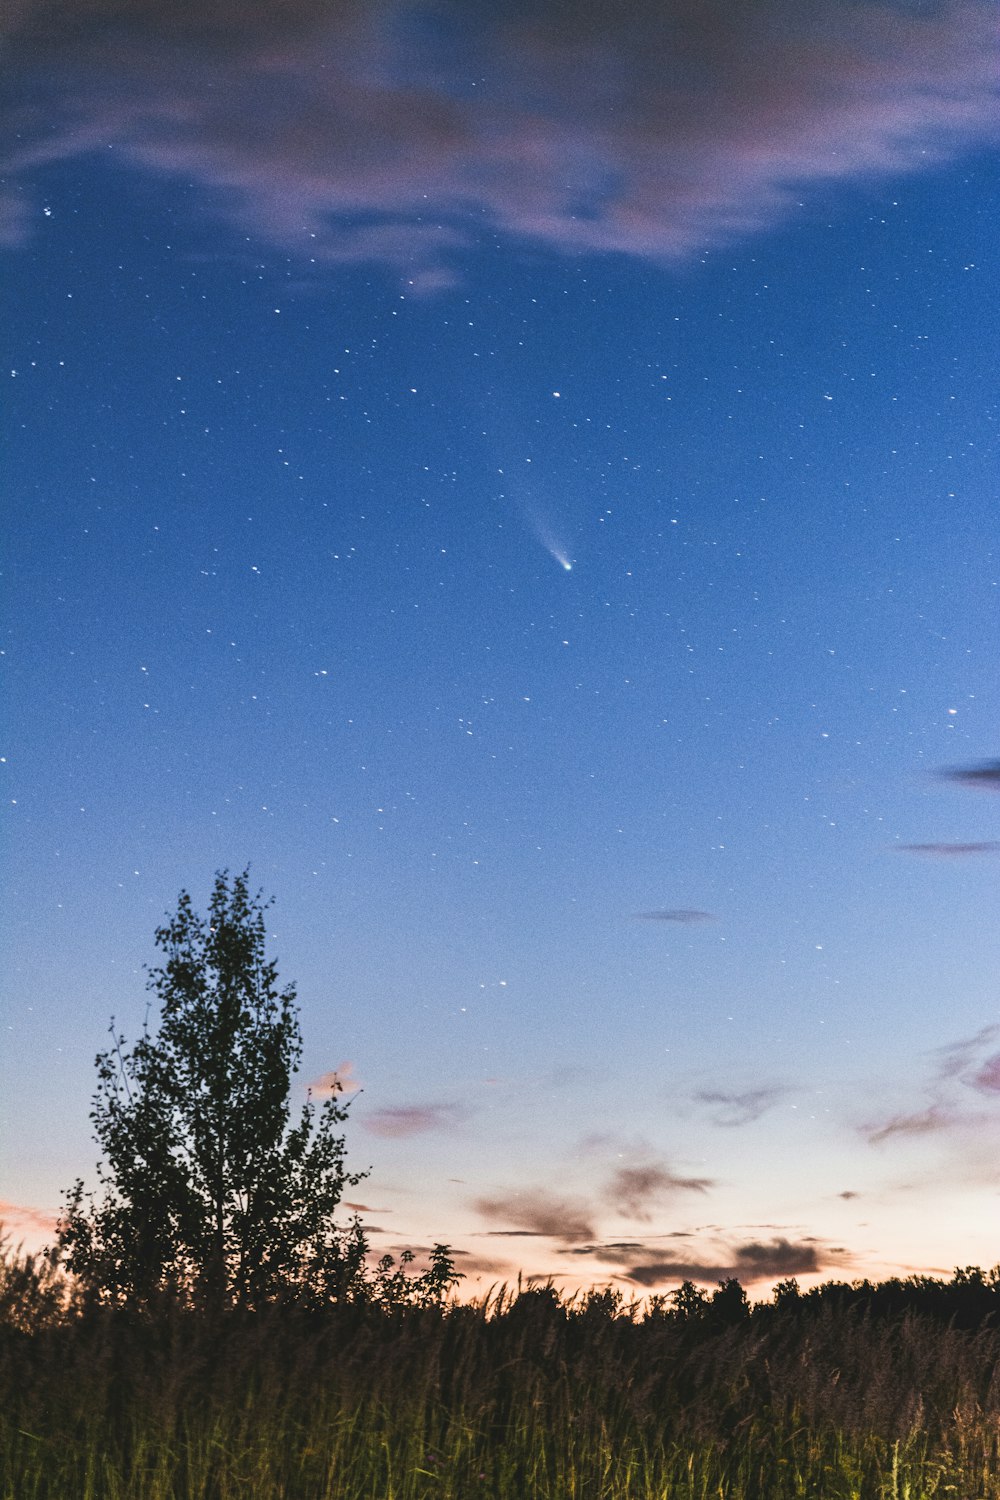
425	1452
524	1398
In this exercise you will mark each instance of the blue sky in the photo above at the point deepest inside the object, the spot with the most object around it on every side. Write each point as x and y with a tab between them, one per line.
649	901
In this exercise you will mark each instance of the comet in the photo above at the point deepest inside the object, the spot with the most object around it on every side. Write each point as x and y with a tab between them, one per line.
549	543
544	535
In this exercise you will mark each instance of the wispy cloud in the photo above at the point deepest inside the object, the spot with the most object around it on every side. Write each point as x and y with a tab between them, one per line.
412	1119
482	1265
987	1078
687	916
635	1191
985	777
535	1212
394	133
956	1059
969	1064
935	1117
740	1107
340	1080
949	851
19	1219
608	1249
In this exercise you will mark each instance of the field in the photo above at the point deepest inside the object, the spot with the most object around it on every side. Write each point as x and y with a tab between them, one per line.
863	1391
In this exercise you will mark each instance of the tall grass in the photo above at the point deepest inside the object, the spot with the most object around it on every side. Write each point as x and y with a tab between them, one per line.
518	1397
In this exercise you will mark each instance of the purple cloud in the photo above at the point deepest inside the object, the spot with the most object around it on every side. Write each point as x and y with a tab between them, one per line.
987	1078
749	1262
535	1212
412	1119
968	1063
350	132
927	1121
634	1190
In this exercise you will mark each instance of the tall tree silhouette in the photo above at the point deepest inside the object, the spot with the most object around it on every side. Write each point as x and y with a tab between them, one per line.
210	1192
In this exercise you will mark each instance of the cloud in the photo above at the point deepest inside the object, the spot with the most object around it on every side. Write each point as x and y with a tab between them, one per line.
921	1122
970	1063
355	132
949	851
957	1058
20	1219
740	1107
984	777
535	1212
632	1190
481	1265
610	1248
413	1119
987	1078
338	1081
688	916
750	1262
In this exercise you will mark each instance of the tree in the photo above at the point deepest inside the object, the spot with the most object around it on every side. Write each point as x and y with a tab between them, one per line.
729	1304
689	1300
210	1194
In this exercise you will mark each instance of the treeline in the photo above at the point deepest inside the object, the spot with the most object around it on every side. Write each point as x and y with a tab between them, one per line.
36	1294
970	1300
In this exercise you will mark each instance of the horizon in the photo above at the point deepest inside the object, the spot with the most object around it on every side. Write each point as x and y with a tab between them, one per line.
526	487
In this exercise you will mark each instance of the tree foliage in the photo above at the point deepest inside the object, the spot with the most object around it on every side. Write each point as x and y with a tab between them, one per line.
212	1193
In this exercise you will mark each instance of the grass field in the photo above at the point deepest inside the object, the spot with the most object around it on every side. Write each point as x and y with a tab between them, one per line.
888	1391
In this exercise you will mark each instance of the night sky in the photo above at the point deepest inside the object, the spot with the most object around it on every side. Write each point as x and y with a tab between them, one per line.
524	480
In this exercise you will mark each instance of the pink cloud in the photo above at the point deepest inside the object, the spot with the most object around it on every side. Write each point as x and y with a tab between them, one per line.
339	1081
987	1078
412	1119
921	1122
22	1221
348	132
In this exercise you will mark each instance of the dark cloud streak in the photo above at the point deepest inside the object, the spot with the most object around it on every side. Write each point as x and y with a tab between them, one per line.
686	916
949	851
984	777
732	1109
